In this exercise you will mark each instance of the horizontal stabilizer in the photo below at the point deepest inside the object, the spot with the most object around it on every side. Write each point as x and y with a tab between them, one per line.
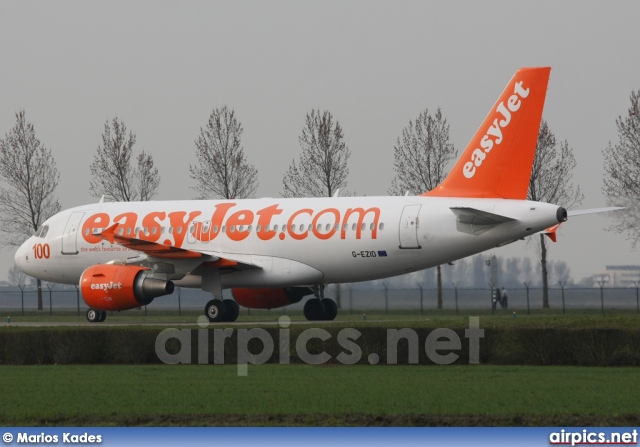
474	216
551	232
593	210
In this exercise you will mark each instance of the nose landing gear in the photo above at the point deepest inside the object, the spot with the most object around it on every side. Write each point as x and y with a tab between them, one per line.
96	316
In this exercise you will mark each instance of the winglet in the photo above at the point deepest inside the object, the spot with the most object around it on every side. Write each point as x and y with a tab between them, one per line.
110	233
497	162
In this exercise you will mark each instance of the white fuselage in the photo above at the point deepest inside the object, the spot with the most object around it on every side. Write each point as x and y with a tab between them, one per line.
287	241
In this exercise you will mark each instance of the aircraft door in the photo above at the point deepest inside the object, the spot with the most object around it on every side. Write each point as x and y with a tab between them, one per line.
70	234
409	226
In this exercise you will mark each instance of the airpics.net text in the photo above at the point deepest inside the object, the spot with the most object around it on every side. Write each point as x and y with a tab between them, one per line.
441	346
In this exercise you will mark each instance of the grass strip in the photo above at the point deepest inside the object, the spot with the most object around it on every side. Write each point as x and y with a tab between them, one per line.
318	395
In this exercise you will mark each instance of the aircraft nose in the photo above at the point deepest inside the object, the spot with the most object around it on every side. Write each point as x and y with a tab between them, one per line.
21	257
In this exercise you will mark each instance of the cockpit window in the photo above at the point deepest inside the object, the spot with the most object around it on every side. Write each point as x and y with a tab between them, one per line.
42	232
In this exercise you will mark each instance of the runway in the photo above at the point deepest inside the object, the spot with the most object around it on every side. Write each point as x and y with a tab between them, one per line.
196	324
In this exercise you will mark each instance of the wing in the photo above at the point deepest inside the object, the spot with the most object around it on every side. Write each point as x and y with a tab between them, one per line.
149	248
171	253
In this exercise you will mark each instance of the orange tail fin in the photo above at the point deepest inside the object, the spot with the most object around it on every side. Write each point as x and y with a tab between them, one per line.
497	162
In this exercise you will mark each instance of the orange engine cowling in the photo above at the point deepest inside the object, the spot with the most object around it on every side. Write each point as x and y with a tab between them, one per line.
120	287
269	298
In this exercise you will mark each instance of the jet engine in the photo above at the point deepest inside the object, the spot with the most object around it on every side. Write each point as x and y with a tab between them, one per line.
120	287
269	298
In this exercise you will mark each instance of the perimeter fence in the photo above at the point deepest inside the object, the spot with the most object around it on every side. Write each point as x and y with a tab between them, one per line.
55	298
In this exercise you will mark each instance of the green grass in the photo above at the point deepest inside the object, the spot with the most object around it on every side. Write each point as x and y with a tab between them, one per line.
318	395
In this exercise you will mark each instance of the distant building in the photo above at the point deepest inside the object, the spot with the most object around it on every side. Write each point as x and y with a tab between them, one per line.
618	276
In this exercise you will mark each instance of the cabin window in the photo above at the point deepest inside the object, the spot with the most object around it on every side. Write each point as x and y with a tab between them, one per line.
120	231
179	230
224	228
364	226
275	228
249	228
258	228
232	228
318	227
215	228
129	230
381	226
327	227
353	227
86	232
154	230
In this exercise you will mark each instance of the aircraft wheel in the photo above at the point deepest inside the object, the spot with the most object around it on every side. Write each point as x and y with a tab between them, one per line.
93	315
102	315
314	310
330	309
233	310
215	311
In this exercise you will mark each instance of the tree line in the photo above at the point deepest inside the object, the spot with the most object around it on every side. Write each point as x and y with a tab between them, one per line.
423	154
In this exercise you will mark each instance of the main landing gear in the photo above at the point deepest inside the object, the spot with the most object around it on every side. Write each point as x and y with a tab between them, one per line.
222	310
320	308
96	316
218	309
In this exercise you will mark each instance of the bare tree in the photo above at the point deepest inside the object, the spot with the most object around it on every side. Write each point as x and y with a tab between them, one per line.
112	174
622	168
421	159
322	169
147	177
550	182
28	179
17	277
223	170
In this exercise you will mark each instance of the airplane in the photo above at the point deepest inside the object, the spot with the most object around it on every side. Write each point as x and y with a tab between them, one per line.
273	252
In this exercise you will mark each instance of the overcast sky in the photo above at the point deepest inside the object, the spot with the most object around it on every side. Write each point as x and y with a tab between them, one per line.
163	66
